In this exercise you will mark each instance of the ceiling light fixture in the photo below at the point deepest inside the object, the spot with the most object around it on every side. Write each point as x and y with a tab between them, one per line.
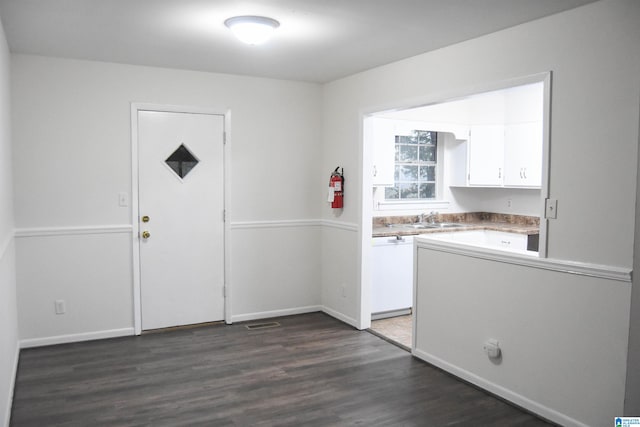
252	29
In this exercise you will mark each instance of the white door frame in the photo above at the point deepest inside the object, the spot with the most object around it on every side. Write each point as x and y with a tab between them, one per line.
135	253
366	162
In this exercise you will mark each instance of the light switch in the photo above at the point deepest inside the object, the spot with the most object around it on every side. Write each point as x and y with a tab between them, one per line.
123	199
551	208
61	307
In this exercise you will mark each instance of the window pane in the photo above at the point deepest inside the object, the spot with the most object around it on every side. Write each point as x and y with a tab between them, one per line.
415	166
426	137
427	191
408	191
181	161
406	173
428	153
391	193
403	139
427	173
408	153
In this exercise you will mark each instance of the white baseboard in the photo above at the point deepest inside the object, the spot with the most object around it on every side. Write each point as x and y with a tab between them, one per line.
85	336
275	313
511	396
346	319
12	386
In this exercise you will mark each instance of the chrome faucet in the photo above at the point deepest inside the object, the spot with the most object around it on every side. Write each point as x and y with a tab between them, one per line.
430	218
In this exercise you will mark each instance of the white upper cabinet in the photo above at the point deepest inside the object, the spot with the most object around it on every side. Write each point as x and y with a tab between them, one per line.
506	138
498	135
523	139
523	155
382	133
486	155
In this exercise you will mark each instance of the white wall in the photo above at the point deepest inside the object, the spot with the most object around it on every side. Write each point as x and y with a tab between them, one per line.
8	314
563	357
594	117
593	154
73	156
632	398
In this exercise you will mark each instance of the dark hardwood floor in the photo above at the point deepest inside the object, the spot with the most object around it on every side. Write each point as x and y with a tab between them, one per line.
311	371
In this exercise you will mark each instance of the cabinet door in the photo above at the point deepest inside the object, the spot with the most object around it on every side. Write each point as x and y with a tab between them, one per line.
507	240
486	155
382	133
523	154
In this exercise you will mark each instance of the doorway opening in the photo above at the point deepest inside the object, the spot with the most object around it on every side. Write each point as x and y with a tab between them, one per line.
481	155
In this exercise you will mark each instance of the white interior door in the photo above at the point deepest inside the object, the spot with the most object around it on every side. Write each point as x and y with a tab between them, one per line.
181	202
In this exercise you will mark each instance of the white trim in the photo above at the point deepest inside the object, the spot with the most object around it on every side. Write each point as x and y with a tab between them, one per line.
226	114
511	396
401	205
274	224
170	108
341	225
365	160
72	231
276	313
12	385
5	245
342	317
135	223
244	225
226	165
84	336
563	266
546	150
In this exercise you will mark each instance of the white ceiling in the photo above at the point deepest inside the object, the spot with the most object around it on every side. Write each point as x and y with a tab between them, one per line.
318	41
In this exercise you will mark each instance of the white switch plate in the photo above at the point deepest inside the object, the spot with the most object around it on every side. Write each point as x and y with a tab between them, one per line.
60	306
123	199
551	208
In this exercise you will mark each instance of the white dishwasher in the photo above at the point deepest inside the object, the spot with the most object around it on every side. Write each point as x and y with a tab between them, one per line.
392	276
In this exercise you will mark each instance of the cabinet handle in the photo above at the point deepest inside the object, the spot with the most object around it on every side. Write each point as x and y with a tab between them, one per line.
499	173
521	173
375	171
524	173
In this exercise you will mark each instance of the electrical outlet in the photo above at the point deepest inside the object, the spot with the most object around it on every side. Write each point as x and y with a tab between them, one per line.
509	204
61	307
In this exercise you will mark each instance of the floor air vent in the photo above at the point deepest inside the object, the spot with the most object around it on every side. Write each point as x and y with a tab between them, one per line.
254	326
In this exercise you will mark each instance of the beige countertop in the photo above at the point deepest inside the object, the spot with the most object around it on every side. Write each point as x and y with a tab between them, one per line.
399	230
400	225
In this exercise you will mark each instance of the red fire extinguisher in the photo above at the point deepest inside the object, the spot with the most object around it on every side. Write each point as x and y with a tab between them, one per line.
336	189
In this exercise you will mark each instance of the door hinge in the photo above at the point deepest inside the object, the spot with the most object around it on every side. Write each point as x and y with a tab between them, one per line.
224	138
224	215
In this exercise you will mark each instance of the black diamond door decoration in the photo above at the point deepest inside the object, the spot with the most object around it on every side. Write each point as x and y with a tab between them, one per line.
182	161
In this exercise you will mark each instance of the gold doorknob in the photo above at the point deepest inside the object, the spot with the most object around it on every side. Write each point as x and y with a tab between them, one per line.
146	234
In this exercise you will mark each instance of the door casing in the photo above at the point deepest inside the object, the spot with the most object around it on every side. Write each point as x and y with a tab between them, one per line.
135	253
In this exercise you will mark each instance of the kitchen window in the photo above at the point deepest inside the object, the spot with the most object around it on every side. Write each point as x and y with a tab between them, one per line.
415	167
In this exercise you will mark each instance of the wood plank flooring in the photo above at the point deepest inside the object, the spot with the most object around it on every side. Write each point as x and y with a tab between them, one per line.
311	371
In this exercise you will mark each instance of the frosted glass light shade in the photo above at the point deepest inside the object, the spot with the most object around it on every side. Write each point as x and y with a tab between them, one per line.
252	29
